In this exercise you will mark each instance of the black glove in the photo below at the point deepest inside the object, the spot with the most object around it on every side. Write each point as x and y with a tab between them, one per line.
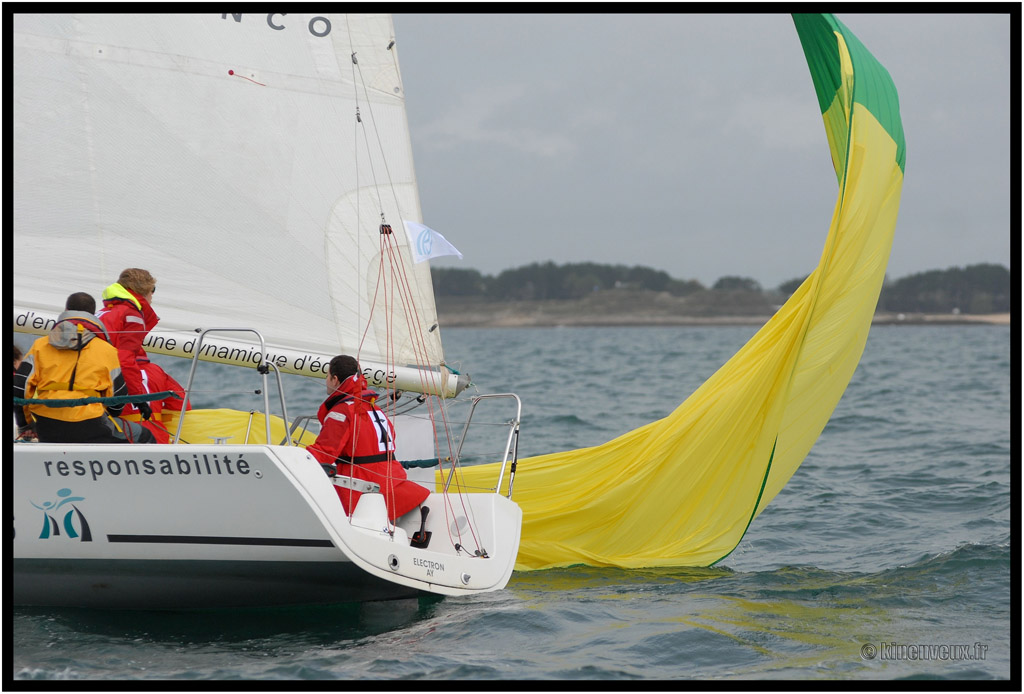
144	409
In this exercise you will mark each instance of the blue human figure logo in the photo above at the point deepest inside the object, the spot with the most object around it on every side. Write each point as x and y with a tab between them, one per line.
50	525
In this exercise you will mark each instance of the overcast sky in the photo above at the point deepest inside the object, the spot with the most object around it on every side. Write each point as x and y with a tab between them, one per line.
693	144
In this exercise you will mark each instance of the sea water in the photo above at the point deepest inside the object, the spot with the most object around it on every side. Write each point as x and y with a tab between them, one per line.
886	556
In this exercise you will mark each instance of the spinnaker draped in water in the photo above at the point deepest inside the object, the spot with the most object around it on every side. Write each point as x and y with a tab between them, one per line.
682	491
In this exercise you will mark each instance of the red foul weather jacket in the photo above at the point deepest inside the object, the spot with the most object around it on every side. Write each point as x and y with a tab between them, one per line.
356	436
156	380
128	318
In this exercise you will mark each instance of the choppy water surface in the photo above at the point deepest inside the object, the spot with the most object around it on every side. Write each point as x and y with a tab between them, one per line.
886	556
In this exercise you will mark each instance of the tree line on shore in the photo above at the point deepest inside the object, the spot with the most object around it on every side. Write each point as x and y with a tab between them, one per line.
975	289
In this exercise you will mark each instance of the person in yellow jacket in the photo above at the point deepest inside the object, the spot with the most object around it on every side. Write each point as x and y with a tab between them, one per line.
74	361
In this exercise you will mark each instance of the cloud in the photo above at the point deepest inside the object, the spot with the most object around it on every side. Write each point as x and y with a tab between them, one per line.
482	117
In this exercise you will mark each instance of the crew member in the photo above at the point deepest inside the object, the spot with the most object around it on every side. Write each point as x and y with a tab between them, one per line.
128	316
359	440
156	380
29	432
74	361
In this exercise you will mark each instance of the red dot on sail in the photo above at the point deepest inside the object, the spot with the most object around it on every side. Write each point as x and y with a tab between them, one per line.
231	72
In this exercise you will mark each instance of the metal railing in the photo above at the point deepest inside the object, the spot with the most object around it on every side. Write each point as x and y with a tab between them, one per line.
511	444
263	368
302	420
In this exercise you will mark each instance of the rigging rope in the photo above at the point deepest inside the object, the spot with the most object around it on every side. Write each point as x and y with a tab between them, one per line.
394	290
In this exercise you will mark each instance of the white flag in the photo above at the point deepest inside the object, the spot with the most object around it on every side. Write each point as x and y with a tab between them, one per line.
427	243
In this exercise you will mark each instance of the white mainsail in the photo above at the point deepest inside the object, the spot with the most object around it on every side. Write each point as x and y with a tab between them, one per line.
246	160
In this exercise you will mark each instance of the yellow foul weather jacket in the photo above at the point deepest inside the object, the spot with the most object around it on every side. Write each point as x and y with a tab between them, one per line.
72	363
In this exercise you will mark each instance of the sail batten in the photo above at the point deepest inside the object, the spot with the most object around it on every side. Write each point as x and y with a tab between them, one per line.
222	153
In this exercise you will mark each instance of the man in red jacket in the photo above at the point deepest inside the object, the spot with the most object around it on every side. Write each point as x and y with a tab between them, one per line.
128	317
358	439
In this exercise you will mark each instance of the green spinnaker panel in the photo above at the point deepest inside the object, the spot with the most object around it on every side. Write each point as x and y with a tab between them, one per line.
682	491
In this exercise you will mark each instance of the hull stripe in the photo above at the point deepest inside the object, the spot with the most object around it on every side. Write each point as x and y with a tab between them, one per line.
213	540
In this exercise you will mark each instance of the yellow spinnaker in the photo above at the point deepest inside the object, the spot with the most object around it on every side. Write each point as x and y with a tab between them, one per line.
232	427
682	491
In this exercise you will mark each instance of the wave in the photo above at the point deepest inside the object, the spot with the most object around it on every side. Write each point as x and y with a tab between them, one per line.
968	556
931	578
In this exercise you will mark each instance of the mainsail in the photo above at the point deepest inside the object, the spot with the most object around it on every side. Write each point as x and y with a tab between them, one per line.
682	491
247	161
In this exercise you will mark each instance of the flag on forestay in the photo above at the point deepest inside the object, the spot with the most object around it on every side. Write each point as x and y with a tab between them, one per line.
427	243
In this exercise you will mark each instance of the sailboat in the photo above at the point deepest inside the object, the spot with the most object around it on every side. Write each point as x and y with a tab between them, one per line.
259	166
151	151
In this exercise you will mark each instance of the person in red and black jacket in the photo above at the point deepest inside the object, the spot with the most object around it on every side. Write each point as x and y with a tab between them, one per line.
359	440
156	380
128	316
29	435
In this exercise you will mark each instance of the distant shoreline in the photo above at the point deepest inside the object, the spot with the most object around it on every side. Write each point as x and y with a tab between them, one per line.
541	314
941	319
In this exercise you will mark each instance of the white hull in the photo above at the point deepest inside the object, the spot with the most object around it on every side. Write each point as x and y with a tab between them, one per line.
186	526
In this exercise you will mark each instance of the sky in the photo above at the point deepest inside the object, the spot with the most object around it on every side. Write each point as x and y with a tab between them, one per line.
693	143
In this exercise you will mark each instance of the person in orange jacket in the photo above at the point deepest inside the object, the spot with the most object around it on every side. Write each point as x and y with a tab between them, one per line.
128	316
73	362
358	440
